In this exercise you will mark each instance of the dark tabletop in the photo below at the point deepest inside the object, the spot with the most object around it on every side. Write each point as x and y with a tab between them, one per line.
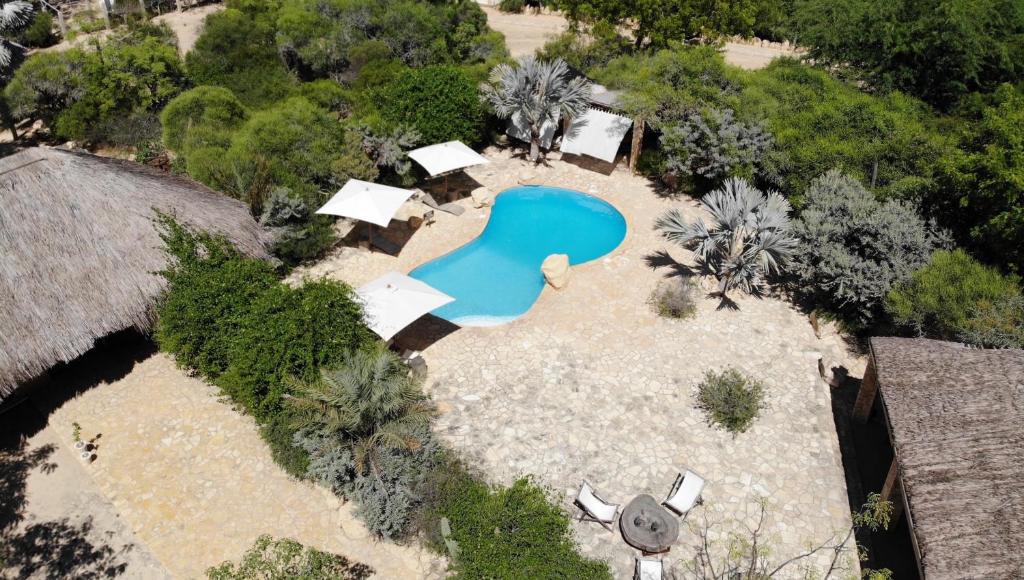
647	526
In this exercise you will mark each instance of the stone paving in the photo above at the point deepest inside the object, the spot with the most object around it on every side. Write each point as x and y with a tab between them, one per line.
196	484
592	384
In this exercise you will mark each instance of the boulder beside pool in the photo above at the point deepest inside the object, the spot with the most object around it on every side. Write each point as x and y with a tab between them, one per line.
482	197
556	270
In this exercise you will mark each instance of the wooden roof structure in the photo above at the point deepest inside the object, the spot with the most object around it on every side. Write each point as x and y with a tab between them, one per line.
80	250
956	422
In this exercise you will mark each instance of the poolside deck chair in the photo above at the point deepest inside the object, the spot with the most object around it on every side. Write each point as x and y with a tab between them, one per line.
595	509
451	207
428	218
648	569
686	493
385	245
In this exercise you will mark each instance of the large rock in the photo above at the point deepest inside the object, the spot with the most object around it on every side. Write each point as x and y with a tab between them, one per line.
482	197
556	270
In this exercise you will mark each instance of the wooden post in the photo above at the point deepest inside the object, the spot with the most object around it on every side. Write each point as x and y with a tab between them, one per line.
638	143
892	491
866	395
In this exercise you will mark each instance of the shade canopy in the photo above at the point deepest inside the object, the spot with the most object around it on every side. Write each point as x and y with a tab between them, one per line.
596	134
369	202
395	301
518	128
445	157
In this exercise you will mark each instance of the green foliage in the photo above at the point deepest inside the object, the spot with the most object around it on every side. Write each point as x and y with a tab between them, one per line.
656	23
326	94
730	400
271	559
47	84
307	241
585	53
675	298
237	51
439	102
986	176
854	249
995	324
40	32
939	50
205	107
514	532
940	299
512	6
711	146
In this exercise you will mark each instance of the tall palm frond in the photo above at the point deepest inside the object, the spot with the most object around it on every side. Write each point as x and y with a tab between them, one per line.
14	15
747	239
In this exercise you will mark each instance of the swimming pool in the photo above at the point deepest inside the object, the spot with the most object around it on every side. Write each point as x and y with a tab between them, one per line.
496	278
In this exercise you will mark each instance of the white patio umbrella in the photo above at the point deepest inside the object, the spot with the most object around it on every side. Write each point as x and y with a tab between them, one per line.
368	202
444	158
395	301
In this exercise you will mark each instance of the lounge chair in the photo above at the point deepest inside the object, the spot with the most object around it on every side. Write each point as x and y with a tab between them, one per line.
594	508
451	207
686	493
385	245
648	569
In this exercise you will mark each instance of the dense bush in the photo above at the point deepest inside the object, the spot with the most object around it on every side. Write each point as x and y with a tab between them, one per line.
942	297
710	146
39	33
47	84
206	107
514	532
587	52
730	400
271	559
439	102
939	50
996	324
675	298
854	249
237	51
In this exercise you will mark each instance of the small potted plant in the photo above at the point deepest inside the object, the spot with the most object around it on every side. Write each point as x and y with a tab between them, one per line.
76	435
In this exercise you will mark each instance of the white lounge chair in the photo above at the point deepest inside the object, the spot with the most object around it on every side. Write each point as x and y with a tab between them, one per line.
648	569
686	493
594	508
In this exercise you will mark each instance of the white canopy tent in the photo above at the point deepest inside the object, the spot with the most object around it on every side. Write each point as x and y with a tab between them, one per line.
446	157
395	301
519	129
596	134
365	201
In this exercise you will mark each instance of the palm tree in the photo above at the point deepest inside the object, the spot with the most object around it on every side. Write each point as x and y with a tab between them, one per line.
538	92
14	15
748	238
370	401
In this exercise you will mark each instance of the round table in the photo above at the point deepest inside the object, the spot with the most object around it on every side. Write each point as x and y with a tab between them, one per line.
647	526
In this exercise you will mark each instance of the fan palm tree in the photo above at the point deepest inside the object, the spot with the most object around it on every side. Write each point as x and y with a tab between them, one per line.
14	15
747	239
538	92
370	401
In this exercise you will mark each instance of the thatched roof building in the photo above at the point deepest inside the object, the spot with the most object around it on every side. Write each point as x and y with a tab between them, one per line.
956	423
79	250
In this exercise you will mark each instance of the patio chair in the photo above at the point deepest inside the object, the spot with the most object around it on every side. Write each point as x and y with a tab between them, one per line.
451	207
648	569
595	509
428	218
686	493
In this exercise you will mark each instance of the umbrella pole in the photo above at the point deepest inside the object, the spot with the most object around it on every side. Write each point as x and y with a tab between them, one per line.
369	234
446	186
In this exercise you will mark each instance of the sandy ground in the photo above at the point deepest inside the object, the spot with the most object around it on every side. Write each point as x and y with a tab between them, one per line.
188	24
527	32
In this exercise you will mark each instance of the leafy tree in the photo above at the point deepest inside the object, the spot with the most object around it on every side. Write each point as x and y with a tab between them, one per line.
939	50
747	239
371	401
656	23
941	298
537	93
854	248
388	149
586	52
212	108
710	146
47	84
439	102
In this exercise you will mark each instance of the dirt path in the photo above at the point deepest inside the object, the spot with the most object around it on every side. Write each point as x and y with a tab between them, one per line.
188	24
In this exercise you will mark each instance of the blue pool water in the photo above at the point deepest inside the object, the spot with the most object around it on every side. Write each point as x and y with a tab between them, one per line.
496	277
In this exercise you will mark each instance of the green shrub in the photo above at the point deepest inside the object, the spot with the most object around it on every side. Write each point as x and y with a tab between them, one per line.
854	249
730	400
586	52
39	33
940	299
279	433
996	324
133	130
307	241
439	102
711	146
326	94
271	559
46	84
675	298
512	6
213	109
514	532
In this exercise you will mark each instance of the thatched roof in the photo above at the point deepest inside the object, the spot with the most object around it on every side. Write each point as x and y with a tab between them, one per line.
79	250
956	416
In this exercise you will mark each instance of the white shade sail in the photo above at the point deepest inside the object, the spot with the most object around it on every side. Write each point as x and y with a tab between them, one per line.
369	202
445	157
596	134
394	301
519	129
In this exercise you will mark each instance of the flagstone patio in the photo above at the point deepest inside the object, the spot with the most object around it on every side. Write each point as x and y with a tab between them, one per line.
592	384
